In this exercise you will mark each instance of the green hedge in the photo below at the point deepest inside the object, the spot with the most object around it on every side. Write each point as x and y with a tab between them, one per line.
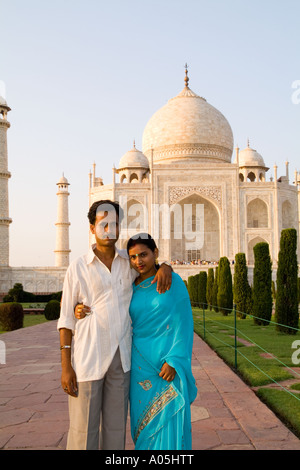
52	310
11	316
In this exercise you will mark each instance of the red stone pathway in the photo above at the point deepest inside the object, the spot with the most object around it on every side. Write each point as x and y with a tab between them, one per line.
226	414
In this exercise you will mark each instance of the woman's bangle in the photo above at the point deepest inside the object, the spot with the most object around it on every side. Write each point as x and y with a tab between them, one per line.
65	347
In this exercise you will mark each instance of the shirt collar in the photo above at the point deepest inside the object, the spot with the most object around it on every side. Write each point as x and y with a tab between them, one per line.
91	254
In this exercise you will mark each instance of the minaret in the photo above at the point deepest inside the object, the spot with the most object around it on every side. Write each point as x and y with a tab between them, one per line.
62	225
4	177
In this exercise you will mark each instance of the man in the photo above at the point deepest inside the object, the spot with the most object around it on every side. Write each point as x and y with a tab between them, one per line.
96	368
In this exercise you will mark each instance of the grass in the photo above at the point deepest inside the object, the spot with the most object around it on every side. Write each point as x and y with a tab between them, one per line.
265	359
30	320
284	406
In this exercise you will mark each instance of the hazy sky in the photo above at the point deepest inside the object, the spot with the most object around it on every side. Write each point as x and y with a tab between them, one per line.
84	77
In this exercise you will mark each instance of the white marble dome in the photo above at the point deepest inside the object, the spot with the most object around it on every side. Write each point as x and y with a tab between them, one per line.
188	127
250	157
134	158
63	180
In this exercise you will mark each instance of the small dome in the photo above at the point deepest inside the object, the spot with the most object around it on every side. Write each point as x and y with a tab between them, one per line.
63	180
2	101
250	157
4	104
134	159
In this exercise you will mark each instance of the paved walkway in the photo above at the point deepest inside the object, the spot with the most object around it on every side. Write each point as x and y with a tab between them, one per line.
226	414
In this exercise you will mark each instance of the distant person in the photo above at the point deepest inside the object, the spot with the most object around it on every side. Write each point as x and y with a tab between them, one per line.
96	351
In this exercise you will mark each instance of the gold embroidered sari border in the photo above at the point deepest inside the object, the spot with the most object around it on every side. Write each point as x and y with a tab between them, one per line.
159	402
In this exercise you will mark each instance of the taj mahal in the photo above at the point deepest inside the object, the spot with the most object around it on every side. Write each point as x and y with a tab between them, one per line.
188	186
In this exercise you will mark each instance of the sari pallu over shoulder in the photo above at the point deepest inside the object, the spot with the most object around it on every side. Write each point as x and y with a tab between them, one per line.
162	332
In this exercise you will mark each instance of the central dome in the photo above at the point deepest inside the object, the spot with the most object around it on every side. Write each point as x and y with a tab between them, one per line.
188	127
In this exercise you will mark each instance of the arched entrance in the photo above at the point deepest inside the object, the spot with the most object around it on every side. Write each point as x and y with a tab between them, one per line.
251	245
195	230
257	214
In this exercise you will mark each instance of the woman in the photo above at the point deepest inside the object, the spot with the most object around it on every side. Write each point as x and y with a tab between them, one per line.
162	385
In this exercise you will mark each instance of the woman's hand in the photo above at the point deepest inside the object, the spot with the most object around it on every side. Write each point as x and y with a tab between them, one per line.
163	278
81	311
167	372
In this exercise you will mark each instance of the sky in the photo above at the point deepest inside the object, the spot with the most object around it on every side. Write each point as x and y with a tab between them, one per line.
83	77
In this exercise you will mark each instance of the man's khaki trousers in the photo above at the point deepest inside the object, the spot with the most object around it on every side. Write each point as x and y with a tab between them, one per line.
100	404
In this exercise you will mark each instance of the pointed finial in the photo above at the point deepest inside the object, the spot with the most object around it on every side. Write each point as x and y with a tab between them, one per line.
134	143
248	143
186	79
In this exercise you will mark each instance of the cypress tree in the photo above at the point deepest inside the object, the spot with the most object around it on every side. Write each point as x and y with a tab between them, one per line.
262	285
202	284
209	287
286	311
225	295
215	291
241	287
193	289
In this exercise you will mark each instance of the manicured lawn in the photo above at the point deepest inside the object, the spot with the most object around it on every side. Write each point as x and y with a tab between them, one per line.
255	359
263	357
286	407
31	320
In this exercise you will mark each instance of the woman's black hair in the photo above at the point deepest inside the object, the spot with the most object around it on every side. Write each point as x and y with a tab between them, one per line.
141	238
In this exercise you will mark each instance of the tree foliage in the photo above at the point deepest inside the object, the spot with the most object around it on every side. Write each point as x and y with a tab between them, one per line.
215	290
202	284
225	295
52	310
209	287
11	316
286	312
262	284
242	294
193	289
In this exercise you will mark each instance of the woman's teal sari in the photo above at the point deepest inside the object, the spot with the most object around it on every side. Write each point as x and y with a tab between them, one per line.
162	332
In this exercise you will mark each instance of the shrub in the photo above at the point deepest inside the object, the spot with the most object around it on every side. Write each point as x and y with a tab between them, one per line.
273	291
262	285
193	289
241	288
209	287
215	291
202	283
11	316
52	310
17	294
225	295
286	311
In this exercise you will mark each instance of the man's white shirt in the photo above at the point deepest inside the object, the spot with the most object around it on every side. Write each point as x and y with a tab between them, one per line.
108	293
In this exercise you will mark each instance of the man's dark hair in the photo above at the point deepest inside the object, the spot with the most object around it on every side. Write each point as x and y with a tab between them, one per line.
107	206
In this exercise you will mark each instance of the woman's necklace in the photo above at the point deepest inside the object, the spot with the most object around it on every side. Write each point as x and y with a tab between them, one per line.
145	284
